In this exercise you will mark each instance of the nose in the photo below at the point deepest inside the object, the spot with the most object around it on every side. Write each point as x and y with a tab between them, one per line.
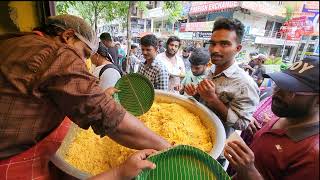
214	48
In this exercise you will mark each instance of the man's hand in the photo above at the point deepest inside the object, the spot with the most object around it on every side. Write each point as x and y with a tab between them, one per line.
254	126
136	163
207	91
241	158
111	90
130	168
190	89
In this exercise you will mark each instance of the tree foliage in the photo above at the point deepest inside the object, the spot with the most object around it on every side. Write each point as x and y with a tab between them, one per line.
289	12
93	11
174	10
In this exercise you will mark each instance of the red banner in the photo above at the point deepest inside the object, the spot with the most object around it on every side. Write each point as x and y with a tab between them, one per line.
296	27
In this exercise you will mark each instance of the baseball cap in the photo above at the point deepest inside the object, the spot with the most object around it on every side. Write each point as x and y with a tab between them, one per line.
82	29
302	76
260	56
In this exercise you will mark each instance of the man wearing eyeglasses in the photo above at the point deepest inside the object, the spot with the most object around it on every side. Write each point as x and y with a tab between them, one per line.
287	147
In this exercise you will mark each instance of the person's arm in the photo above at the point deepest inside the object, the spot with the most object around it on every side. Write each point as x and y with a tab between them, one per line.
76	94
241	158
207	91
162	79
239	112
130	168
132	133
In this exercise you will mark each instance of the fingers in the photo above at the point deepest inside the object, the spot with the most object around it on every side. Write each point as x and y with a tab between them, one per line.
266	118
249	128
143	154
231	155
206	85
145	164
190	89
243	147
256	124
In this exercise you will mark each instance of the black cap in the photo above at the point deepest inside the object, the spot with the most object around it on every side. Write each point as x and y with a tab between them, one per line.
302	76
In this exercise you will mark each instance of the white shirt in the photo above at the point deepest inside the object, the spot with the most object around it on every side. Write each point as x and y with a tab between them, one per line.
108	78
175	66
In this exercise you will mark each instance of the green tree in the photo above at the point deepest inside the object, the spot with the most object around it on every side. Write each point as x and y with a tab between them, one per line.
289	12
174	10
93	11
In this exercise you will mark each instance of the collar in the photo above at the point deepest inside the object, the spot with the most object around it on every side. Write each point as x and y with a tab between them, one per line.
38	33
303	132
154	62
103	45
229	71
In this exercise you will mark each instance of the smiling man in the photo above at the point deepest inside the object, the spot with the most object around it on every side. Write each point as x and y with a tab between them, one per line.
228	91
173	62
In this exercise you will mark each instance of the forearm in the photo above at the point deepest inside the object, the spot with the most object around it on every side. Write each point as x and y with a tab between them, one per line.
132	133
219	108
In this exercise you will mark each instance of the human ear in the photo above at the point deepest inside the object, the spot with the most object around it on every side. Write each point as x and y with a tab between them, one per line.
239	47
67	36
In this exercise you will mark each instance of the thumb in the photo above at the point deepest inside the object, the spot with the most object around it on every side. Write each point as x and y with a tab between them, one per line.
145	164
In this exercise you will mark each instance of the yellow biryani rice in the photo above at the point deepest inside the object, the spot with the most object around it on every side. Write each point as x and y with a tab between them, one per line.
92	154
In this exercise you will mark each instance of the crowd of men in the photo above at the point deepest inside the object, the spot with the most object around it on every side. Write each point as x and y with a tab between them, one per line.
40	87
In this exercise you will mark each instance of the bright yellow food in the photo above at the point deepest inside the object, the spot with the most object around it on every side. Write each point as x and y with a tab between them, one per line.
90	153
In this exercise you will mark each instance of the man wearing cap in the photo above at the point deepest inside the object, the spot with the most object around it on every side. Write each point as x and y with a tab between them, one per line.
43	79
251	63
286	147
258	70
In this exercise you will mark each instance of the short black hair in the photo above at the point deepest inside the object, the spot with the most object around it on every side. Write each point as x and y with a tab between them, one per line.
173	38
199	56
133	46
105	36
186	49
230	24
253	53
149	40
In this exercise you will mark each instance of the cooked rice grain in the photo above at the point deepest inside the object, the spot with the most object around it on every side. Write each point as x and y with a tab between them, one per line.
90	153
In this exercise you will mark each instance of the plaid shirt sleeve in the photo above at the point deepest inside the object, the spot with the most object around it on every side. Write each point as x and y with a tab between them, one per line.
77	94
162	80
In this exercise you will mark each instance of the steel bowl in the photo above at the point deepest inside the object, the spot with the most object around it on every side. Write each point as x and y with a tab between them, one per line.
208	118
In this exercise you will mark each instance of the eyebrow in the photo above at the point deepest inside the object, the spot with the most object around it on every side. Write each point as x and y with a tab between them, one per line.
222	41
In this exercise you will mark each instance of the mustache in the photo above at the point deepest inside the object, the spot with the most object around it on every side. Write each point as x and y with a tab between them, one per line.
216	55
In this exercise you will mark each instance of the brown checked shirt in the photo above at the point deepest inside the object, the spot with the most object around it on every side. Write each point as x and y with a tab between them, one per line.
41	82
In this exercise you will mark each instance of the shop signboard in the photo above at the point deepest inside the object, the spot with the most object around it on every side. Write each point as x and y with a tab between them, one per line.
296	27
264	7
201	35
211	6
199	26
311	11
185	35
